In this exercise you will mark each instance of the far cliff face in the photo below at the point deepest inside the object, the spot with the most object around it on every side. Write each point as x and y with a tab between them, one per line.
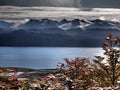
64	33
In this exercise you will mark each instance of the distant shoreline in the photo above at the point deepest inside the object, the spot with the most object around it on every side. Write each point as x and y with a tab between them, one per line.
29	71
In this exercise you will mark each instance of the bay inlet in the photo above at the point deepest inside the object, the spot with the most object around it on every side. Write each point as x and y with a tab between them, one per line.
43	57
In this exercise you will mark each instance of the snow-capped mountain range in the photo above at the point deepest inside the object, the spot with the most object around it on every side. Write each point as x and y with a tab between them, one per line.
43	24
46	32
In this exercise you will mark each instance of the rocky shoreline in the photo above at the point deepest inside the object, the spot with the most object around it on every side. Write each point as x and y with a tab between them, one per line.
35	74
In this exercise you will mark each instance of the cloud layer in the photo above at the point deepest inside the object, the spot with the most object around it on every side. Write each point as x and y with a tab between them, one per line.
20	13
62	3
101	3
65	3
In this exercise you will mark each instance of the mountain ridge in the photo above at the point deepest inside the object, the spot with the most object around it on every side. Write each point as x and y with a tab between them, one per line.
64	33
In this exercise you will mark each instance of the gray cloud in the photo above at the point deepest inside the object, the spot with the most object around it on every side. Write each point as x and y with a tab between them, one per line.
101	3
64	3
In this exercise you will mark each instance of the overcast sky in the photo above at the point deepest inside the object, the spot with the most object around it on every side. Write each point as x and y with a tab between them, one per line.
64	3
101	3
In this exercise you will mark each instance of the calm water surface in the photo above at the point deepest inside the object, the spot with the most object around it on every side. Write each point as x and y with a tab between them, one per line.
42	57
